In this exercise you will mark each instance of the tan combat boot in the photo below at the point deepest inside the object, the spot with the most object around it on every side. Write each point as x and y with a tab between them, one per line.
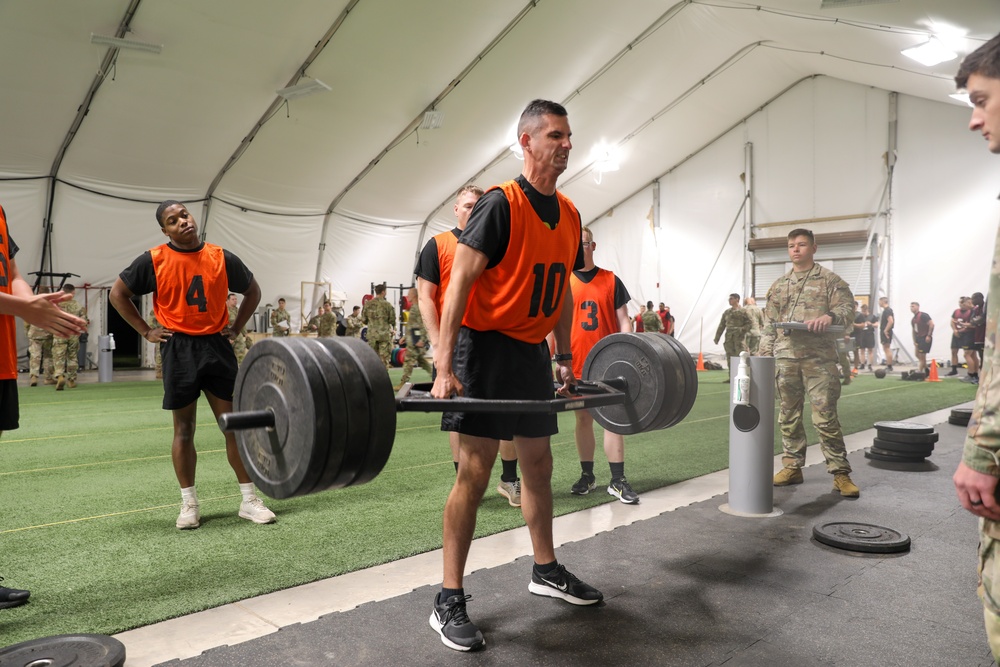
60	382
842	482
788	476
34	381
71	384
49	381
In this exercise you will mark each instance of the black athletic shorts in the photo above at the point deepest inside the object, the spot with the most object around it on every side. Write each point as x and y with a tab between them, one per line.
885	340
192	364
922	344
492	365
962	341
9	409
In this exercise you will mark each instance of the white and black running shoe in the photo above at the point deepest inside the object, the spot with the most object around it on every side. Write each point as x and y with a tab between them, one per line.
560	583
451	621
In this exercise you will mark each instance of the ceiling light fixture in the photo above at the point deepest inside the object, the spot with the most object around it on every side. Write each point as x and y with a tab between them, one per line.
119	43
432	120
605	158
930	53
309	87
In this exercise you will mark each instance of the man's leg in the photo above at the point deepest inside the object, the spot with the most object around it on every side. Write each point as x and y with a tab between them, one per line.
476	457
185	458
251	507
535	456
510	485
585	446
824	391
791	397
989	583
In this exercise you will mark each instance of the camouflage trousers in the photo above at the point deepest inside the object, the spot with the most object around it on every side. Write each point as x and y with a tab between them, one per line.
414	357
795	378
753	342
65	357
240	348
734	344
989	581
40	349
382	344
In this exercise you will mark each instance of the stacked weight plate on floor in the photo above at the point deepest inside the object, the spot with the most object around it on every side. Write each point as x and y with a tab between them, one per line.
960	416
902	442
82	650
661	378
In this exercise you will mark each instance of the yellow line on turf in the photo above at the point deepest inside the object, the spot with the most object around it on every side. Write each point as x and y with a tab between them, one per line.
101	463
88	435
106	516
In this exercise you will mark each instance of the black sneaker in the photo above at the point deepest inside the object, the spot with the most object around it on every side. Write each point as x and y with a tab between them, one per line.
560	583
451	621
954	371
620	489
584	485
12	597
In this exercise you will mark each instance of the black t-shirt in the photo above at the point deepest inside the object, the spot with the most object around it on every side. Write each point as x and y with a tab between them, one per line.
488	230
140	277
884	322
428	265
622	296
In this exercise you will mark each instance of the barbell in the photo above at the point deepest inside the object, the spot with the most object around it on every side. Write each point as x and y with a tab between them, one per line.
315	414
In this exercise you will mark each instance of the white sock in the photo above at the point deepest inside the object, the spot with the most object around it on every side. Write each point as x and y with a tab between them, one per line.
189	495
247	490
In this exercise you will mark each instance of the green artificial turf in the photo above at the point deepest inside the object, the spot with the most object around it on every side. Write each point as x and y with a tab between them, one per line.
90	501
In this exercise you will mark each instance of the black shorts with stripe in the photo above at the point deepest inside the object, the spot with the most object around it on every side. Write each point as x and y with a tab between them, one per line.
192	364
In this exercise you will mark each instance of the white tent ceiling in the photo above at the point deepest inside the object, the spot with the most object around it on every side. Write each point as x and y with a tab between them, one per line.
343	181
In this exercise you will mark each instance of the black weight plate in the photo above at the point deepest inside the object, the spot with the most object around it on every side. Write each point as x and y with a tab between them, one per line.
961	413
672	371
381	408
914	438
638	360
863	537
65	651
903	427
690	368
963	421
889	457
345	379
288	460
905	448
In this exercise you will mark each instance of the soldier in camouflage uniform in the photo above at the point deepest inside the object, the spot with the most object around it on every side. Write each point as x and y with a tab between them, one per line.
976	477
313	324
416	342
651	322
756	315
65	351
736	323
157	357
327	325
354	323
241	343
39	354
806	361
380	317
281	321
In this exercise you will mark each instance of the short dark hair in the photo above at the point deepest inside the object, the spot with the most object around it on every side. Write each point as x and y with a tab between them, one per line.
649	305
802	232
69	287
164	205
281	300
984	61
357	307
534	111
380	289
914	303
734	295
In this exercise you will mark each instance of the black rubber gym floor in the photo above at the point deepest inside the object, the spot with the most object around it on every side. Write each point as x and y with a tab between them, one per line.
696	586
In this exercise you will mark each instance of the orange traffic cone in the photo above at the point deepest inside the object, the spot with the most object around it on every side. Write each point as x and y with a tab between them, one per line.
701	363
933	376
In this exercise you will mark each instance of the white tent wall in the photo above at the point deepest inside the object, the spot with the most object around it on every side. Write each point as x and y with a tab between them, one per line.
945	216
818	151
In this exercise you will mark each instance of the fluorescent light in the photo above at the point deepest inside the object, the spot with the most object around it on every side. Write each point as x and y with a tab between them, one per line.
930	53
432	120
962	96
605	157
302	89
120	43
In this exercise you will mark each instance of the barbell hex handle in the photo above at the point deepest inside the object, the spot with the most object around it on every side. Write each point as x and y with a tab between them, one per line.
242	421
506	406
801	326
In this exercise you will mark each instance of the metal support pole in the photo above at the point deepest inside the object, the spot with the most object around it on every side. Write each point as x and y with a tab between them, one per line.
751	444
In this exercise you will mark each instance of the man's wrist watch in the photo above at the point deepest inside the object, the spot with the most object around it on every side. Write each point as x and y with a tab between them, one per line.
562	357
